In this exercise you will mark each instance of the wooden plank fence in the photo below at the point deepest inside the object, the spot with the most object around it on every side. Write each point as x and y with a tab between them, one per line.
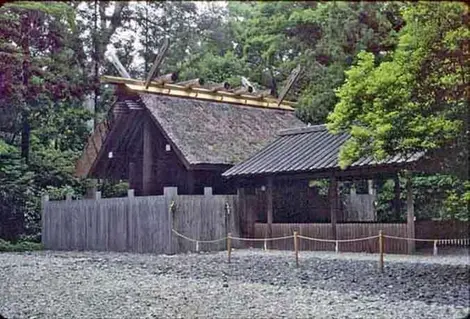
144	225
139	224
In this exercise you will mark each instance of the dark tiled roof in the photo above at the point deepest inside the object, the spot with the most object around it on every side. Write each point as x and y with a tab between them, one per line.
209	132
304	149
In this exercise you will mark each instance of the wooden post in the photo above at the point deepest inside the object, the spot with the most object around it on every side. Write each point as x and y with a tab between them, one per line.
129	219
333	198
91	191
247	226
68	197
296	248
170	194
410	214
132	178
98	195
44	228
190	182
381	251
396	200
434	251
229	246
207	191
269	209
147	160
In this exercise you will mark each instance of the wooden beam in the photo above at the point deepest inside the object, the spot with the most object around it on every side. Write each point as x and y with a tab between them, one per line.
147	161
290	81
333	199
117	64
157	62
224	86
269	208
347	174
189	84
166	79
410	213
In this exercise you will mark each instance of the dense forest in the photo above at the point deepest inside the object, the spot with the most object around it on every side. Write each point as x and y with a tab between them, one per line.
395	75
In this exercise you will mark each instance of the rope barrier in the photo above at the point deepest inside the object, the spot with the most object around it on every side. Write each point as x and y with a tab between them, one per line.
339	240
198	241
263	239
435	241
441	241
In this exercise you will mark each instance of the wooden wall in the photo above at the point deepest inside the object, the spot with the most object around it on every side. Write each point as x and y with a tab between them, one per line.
445	229
139	224
359	207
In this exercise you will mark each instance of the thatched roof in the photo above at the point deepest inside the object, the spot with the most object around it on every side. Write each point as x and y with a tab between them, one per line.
206	125
208	132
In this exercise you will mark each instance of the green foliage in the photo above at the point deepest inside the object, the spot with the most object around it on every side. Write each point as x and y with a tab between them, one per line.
114	189
16	188
416	100
216	68
21	246
437	196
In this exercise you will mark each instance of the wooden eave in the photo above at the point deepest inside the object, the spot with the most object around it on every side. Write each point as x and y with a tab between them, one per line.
199	93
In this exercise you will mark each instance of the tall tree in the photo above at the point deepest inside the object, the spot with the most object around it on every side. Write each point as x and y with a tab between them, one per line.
417	100
33	46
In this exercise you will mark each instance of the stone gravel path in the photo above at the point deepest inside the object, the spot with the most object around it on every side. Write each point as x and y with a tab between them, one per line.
257	284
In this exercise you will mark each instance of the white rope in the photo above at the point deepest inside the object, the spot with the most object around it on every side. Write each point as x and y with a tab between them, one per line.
441	241
317	239
262	239
435	241
337	241
198	241
357	239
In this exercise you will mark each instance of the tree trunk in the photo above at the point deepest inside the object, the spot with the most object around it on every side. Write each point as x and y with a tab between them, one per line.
25	136
26	129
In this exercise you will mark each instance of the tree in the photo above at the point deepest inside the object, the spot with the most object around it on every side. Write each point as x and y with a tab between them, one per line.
417	100
15	188
271	38
34	51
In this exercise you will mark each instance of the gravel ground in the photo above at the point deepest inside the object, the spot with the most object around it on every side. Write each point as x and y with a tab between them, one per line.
257	284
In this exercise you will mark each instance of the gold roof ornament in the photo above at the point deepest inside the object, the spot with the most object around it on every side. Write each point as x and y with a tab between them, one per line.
220	94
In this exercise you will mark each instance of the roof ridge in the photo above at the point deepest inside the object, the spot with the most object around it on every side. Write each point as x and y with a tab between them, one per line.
305	129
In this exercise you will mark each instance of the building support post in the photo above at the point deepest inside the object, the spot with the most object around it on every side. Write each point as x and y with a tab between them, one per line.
396	200
190	182
333	199
147	160
410	214
269	209
133	182
91	190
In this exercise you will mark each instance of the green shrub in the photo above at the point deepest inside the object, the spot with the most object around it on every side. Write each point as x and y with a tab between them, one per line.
6	246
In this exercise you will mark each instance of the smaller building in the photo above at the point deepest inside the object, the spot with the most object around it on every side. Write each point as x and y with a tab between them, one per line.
287	170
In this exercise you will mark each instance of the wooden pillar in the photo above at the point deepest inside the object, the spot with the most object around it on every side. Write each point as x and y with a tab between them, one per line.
269	208
147	160
333	199
190	182
396	200
132	178
91	190
410	213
